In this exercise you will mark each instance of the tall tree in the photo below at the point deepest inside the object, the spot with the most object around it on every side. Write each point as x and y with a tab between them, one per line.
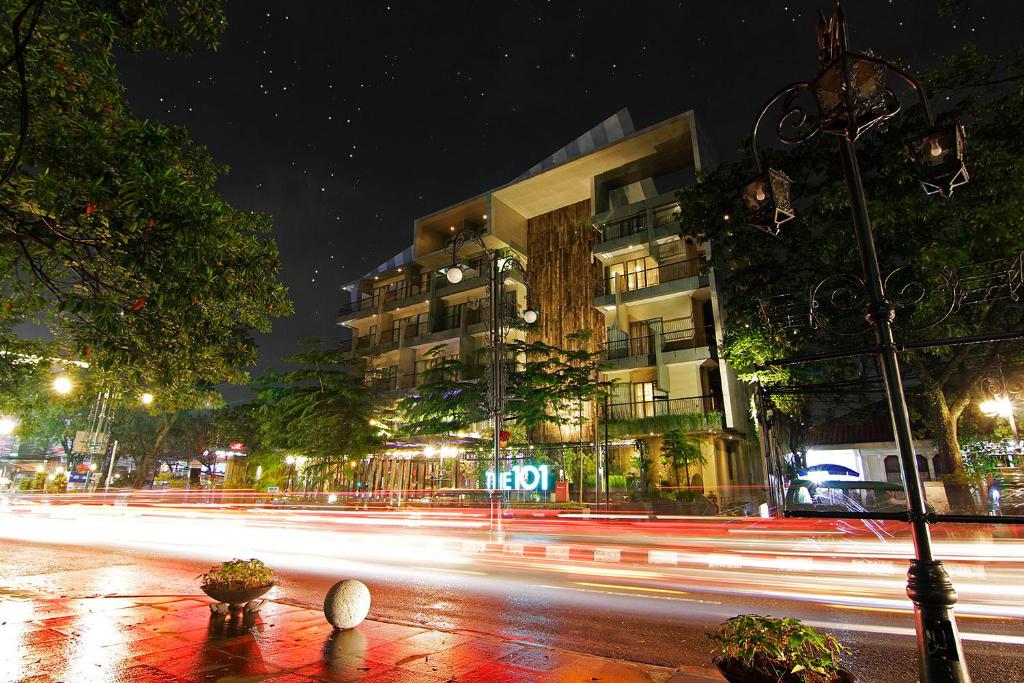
678	451
452	397
979	231
112	234
321	410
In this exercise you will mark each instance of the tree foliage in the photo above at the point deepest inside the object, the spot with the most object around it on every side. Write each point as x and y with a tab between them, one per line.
980	229
321	410
678	451
451	398
545	384
112	234
554	384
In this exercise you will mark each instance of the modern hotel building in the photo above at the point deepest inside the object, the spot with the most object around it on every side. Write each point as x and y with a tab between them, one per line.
597	226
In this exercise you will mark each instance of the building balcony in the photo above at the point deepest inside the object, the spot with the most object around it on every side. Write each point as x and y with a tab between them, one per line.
668	277
358	308
694	413
632	229
676	341
408	294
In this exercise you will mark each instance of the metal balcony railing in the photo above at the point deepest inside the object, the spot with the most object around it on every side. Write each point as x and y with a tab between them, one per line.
417	330
637	223
383	383
362	343
675	335
405	290
649	277
363	303
638	410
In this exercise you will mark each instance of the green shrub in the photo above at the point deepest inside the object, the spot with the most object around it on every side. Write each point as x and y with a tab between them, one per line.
237	575
782	648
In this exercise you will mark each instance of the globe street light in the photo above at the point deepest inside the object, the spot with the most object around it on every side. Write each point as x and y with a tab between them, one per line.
62	385
146	398
8	425
454	274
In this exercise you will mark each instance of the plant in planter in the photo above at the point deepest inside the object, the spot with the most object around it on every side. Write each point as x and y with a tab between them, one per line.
237	582
759	649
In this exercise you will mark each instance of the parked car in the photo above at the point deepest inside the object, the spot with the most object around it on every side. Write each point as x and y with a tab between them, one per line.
828	495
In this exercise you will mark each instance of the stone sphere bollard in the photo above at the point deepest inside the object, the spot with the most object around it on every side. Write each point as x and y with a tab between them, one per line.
347	604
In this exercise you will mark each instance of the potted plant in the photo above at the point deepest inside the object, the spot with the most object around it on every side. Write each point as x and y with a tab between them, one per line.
759	649
237	582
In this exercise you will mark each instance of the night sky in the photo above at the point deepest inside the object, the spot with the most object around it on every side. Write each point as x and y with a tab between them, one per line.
346	120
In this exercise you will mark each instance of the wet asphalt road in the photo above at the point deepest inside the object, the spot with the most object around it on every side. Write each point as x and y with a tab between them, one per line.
534	605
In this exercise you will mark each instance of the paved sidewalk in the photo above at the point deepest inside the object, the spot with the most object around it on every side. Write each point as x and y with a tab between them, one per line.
172	639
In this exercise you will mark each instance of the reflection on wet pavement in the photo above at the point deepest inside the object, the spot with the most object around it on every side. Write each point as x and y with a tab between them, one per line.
177	639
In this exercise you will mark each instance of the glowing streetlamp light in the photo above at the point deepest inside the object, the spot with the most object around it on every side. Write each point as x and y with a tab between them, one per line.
999	406
63	385
8	425
146	398
454	274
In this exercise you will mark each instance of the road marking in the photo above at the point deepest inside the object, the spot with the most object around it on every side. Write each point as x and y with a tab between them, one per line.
453	571
906	631
556	552
661	557
515	549
626	595
473	546
631	588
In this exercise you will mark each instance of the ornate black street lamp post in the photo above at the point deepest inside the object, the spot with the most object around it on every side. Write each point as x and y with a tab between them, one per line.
851	97
500	321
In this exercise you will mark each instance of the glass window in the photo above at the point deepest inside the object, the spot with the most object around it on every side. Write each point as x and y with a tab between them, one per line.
631	275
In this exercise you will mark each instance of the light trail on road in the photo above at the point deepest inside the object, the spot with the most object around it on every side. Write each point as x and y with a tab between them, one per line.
640	563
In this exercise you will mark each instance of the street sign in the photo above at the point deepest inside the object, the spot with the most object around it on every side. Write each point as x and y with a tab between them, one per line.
273	489
90	443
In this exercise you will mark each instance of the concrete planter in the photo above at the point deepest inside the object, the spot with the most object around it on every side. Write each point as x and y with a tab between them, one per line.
236	599
735	671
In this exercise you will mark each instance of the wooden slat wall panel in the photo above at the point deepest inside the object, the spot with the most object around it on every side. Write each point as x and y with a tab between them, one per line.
563	277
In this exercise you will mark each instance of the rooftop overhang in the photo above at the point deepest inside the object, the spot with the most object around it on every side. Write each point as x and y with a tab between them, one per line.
571	182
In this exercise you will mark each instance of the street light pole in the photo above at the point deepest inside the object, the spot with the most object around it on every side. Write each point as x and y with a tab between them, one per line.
851	97
497	392
499	322
940	652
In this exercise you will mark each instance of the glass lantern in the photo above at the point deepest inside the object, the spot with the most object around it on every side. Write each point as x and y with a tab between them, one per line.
851	95
940	155
767	197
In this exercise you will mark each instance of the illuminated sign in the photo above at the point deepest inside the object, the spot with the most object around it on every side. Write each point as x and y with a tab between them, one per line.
521	478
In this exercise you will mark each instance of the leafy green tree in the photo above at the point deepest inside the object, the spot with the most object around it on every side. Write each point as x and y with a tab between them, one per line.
452	397
555	385
153	436
678	451
45	418
112	233
980	229
321	410
643	463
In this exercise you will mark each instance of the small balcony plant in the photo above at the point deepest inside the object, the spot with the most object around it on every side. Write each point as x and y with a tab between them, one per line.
237	582
761	649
